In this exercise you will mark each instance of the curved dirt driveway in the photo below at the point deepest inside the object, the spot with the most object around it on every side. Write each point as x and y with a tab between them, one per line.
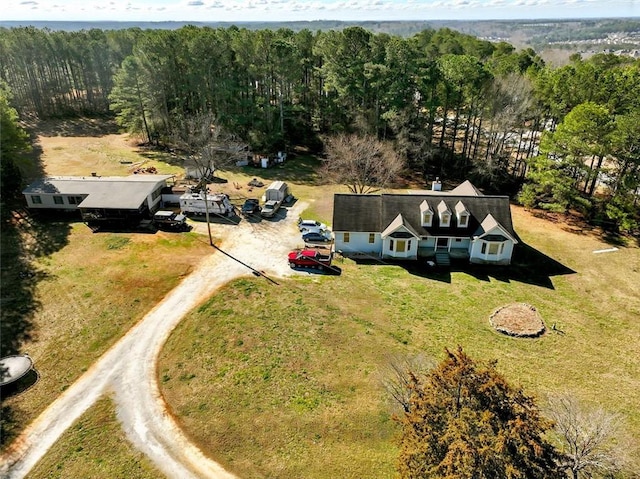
129	367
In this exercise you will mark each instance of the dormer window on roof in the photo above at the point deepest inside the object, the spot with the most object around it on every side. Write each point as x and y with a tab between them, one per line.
462	215
444	214
426	214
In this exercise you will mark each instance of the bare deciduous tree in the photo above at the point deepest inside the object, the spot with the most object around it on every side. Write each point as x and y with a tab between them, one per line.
363	163
207	145
590	439
396	376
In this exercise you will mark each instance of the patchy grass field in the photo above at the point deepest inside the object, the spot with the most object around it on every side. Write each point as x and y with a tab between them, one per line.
284	381
73	293
89	294
84	146
95	447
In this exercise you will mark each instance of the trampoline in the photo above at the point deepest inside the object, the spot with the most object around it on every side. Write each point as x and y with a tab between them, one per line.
14	367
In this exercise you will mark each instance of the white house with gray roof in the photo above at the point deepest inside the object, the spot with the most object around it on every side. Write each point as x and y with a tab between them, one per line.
461	223
99	198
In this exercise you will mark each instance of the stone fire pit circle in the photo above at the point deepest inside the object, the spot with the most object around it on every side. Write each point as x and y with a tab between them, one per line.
520	320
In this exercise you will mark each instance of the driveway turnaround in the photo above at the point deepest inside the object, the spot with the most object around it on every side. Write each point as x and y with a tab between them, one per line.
128	369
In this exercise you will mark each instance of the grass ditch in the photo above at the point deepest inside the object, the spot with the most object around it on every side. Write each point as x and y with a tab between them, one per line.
285	381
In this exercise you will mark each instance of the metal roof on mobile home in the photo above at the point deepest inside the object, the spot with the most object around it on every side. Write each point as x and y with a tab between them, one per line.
117	192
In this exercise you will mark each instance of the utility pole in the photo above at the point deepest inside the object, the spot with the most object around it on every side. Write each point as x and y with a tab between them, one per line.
206	209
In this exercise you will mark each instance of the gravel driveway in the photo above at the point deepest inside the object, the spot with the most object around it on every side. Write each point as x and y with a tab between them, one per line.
128	369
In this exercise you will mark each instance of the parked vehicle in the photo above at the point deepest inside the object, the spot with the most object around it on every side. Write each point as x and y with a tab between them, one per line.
275	195
170	220
270	208
251	206
310	258
276	191
217	204
322	231
317	237
310	225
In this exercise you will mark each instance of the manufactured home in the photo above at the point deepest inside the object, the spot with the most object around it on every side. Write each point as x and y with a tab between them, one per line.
99	198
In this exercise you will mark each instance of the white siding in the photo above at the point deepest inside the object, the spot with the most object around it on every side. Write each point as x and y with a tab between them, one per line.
48	202
476	255
392	249
358	243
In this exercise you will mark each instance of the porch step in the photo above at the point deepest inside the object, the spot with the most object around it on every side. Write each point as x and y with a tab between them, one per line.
443	258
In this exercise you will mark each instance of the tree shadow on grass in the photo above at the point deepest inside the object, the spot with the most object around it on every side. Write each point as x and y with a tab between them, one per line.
299	169
528	266
85	126
24	238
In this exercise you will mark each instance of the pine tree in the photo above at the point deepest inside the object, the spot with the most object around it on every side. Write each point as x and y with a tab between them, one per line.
14	146
466	421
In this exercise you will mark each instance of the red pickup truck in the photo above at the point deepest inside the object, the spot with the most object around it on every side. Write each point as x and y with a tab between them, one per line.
310	258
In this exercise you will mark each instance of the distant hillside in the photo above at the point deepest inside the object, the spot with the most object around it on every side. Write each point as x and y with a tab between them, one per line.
570	36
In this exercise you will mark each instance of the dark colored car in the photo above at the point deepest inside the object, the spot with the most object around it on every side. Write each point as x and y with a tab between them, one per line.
170	220
314	237
251	206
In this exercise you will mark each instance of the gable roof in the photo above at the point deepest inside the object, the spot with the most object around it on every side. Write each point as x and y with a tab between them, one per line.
122	192
460	207
396	224
490	223
466	188
357	213
374	213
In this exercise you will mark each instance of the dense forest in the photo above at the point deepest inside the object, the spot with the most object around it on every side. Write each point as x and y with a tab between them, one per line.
451	105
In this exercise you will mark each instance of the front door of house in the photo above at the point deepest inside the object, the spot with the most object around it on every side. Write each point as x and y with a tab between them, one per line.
442	243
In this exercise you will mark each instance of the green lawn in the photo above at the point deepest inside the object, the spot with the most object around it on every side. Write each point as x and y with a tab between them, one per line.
284	381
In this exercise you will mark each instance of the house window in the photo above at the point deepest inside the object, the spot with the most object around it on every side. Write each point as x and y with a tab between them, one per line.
445	219
345	237
58	200
494	248
427	216
156	193
390	245
409	245
458	240
400	247
372	238
464	221
74	200
36	200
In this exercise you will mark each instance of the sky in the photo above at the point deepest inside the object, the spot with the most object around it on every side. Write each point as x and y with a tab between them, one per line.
291	10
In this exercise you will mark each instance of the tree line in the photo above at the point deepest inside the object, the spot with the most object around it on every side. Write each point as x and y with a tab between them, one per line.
451	104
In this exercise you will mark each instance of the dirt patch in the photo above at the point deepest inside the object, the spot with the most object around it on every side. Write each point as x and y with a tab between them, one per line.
519	319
